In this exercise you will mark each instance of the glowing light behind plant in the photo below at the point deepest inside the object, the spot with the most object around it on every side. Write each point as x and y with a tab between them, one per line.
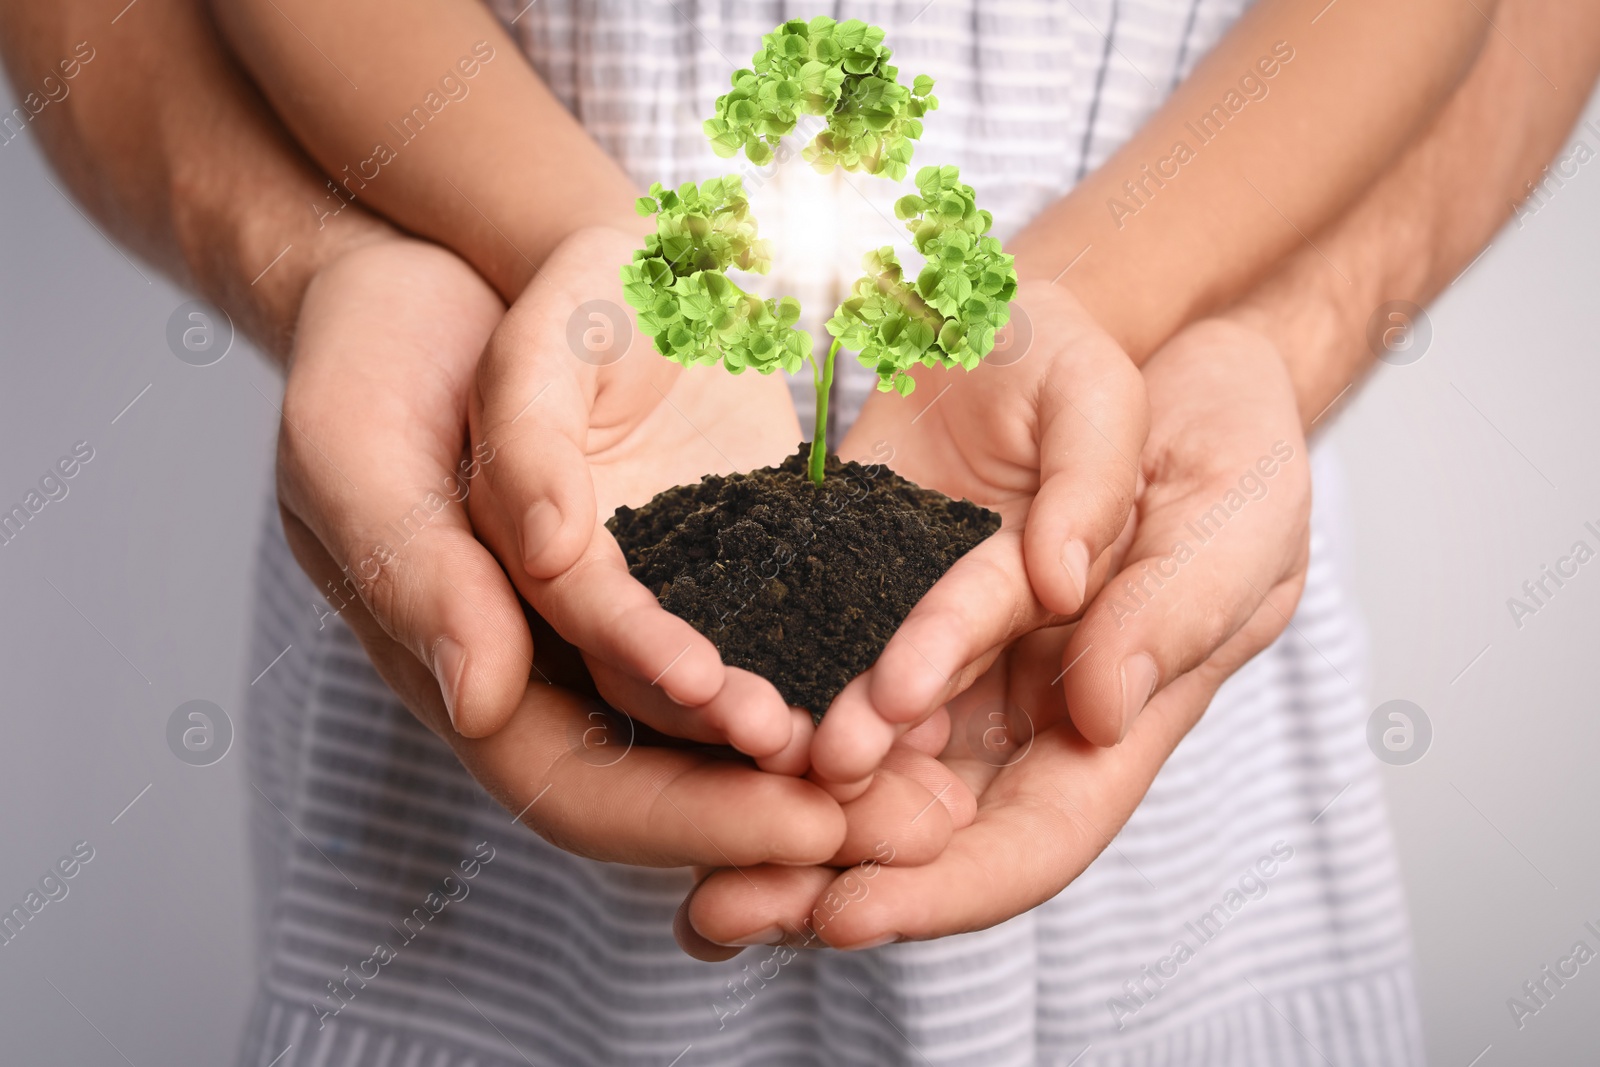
944	315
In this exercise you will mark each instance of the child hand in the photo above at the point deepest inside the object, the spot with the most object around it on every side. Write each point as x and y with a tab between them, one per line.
1048	434
582	416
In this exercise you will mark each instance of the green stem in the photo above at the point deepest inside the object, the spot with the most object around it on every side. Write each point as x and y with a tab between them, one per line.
819	436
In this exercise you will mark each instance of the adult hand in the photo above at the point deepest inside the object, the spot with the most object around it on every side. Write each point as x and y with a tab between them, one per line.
1047	432
583	415
373	469
370	477
1225	433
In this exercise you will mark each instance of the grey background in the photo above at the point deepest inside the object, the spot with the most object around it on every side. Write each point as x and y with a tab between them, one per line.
150	557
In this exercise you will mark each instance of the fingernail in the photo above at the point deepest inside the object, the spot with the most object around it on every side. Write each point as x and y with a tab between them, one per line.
770	936
1075	560
539	527
877	942
449	666
1138	682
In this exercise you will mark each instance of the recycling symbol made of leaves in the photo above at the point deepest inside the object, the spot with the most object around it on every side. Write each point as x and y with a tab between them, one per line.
946	316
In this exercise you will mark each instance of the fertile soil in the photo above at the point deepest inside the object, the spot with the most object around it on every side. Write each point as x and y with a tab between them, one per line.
799	584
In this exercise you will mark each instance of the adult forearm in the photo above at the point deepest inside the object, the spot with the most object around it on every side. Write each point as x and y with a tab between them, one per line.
451	133
1282	125
169	148
1430	216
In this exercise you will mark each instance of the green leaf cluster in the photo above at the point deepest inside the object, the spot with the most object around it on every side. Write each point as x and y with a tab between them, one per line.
684	298
837	69
948	315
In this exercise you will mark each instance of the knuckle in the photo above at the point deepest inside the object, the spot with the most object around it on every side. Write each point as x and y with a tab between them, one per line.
1214	624
1101	501
389	593
1114	491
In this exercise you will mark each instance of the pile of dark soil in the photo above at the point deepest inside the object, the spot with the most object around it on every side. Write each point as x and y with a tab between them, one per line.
801	584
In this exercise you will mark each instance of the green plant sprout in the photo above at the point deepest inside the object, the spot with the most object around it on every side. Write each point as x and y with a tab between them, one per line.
823	67
685	300
949	315
946	317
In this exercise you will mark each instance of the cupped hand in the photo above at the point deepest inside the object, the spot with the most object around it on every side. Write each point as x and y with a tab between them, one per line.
1044	799
374	462
583	415
1047	431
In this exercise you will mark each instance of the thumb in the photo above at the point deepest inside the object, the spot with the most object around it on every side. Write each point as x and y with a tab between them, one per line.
1090	439
438	618
531	407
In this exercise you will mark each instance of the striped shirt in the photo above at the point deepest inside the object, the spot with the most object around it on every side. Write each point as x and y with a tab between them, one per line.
1249	913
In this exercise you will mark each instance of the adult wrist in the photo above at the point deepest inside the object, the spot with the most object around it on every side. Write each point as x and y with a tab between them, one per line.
519	265
255	257
1312	324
